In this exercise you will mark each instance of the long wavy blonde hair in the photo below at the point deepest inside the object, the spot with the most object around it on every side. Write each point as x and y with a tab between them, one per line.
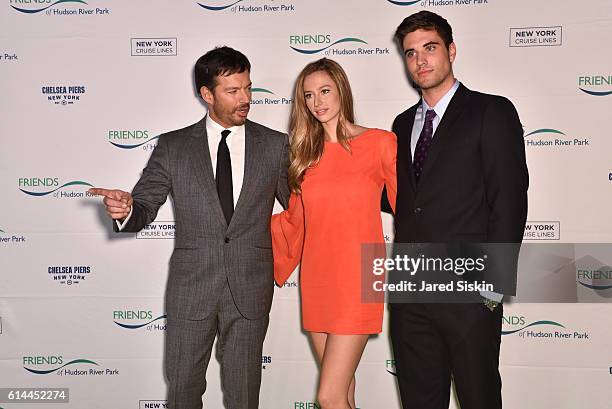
306	132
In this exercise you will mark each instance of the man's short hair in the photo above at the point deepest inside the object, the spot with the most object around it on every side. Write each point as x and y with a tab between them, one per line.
219	61
425	20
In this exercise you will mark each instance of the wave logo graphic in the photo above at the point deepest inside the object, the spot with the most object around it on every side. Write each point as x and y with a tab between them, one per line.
545	131
589	81
48	371
595	93
125	146
137	326
342	40
73	183
595	286
403	3
533	324
2	231
32	11
218	8
262	90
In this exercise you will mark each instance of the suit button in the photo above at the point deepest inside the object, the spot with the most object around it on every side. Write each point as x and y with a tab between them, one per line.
227	240
418	210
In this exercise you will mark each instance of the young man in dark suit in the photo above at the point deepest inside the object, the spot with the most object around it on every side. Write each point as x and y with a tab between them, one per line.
462	177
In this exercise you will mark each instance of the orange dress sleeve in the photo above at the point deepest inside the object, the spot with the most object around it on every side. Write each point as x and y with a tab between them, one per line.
389	169
288	239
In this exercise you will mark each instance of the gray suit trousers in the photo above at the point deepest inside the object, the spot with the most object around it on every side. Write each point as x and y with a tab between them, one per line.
239	346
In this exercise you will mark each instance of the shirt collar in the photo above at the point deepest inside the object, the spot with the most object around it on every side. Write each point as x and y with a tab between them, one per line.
217	128
442	104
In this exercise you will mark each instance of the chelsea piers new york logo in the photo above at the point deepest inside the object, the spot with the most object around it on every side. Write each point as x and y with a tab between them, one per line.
69	275
63	95
58	7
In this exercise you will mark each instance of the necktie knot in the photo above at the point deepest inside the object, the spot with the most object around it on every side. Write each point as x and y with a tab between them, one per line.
430	115
225	133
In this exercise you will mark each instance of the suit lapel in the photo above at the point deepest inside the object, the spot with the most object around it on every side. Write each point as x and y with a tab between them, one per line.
444	129
406	144
253	159
199	154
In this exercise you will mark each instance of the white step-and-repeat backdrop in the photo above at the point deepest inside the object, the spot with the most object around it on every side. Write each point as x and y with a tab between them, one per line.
87	86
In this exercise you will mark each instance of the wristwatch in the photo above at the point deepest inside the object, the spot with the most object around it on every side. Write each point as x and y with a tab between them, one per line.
490	304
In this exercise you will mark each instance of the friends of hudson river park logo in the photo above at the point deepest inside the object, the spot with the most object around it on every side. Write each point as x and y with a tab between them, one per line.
6	238
138	319
326	44
132	139
595	85
45	365
247	6
595	279
264	96
52	186
58	7
549	137
519	325
390	366
436	3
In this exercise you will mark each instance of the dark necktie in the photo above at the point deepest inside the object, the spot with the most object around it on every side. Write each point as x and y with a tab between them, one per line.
423	144
224	178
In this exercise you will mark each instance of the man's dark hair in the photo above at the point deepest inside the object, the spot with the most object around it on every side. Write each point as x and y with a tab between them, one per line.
425	20
219	61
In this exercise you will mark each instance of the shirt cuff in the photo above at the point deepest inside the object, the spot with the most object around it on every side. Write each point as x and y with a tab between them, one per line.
490	295
121	225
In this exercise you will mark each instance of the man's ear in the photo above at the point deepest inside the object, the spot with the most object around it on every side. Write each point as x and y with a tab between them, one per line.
452	51
207	95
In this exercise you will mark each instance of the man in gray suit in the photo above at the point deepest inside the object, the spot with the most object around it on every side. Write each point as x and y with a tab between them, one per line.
223	174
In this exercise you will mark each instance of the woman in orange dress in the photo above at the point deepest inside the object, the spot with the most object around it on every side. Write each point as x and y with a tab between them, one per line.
337	173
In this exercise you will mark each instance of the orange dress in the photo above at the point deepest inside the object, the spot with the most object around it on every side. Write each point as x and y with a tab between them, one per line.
325	226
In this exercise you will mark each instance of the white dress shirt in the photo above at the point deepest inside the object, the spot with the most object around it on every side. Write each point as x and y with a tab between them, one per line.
235	143
419	118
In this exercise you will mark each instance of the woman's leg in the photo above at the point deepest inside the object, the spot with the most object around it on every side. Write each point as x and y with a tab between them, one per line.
339	360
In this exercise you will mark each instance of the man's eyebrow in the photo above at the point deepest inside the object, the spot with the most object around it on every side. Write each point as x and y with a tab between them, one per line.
424	45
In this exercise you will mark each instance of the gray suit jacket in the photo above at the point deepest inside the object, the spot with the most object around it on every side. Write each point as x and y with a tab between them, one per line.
207	251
